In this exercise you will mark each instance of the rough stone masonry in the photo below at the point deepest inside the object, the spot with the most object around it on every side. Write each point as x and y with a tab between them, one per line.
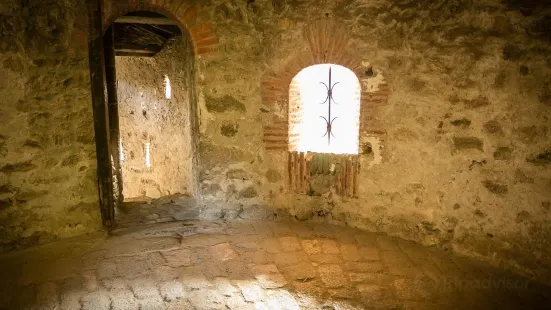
461	161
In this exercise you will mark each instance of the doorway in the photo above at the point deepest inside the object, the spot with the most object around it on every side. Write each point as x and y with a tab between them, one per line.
151	119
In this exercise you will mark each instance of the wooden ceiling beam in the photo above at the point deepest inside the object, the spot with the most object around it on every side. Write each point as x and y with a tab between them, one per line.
134	54
151	30
137	48
145	20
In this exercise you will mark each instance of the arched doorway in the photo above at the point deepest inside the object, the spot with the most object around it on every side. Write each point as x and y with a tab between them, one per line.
150	119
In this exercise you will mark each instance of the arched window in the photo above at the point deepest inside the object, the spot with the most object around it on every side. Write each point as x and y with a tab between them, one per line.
324	110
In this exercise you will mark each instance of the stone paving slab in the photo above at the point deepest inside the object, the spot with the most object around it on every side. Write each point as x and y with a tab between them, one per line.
254	265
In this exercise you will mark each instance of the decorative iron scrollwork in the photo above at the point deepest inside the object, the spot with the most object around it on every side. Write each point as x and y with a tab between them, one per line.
329	100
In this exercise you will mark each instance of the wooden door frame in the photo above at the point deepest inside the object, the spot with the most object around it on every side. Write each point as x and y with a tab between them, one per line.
101	113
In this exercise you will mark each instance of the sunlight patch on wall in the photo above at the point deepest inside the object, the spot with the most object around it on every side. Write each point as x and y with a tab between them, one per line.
121	152
168	88
147	155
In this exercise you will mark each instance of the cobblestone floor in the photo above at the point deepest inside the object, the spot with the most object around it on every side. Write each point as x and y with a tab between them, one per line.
254	265
161	210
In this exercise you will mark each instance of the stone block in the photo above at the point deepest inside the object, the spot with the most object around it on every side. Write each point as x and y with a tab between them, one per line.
465	143
70	300
369	253
89	280
350	252
330	246
256	212
223	252
281	299
251	291
289	258
132	266
224	286
229	129
237	302
152	303
413	289
98	300
182	304
300	272
47	296
249	192
503	153
312	246
541	159
268	276
123	299
289	244
372	292
332	276
177	258
326	258
493	127
272	245
194	280
494	187
146	245
370	267
463	122
144	288
223	104
477	102
171	290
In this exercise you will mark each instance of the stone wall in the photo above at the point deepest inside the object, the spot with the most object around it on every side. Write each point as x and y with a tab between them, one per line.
148	117
47	153
459	157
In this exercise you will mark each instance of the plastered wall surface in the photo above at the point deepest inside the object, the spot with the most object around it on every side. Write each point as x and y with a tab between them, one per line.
464	161
147	117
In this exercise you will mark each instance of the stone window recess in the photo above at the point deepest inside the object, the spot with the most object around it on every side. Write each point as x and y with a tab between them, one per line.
327	42
306	170
324	110
324	118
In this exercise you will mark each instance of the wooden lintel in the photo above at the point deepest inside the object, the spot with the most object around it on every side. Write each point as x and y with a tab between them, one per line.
145	20
135	54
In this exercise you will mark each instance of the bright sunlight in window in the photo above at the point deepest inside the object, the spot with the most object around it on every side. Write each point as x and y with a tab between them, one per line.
324	110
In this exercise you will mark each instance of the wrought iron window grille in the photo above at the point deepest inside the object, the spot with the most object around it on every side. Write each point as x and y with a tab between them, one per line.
329	100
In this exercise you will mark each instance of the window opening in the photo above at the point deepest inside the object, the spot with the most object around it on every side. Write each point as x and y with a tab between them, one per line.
168	88
324	110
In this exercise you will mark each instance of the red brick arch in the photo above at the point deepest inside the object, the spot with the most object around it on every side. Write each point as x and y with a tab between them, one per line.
327	42
201	32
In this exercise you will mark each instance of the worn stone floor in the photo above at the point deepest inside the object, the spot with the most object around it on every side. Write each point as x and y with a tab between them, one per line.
254	265
161	210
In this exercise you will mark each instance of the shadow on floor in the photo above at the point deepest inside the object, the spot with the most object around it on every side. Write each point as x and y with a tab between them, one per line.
161	210
254	265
